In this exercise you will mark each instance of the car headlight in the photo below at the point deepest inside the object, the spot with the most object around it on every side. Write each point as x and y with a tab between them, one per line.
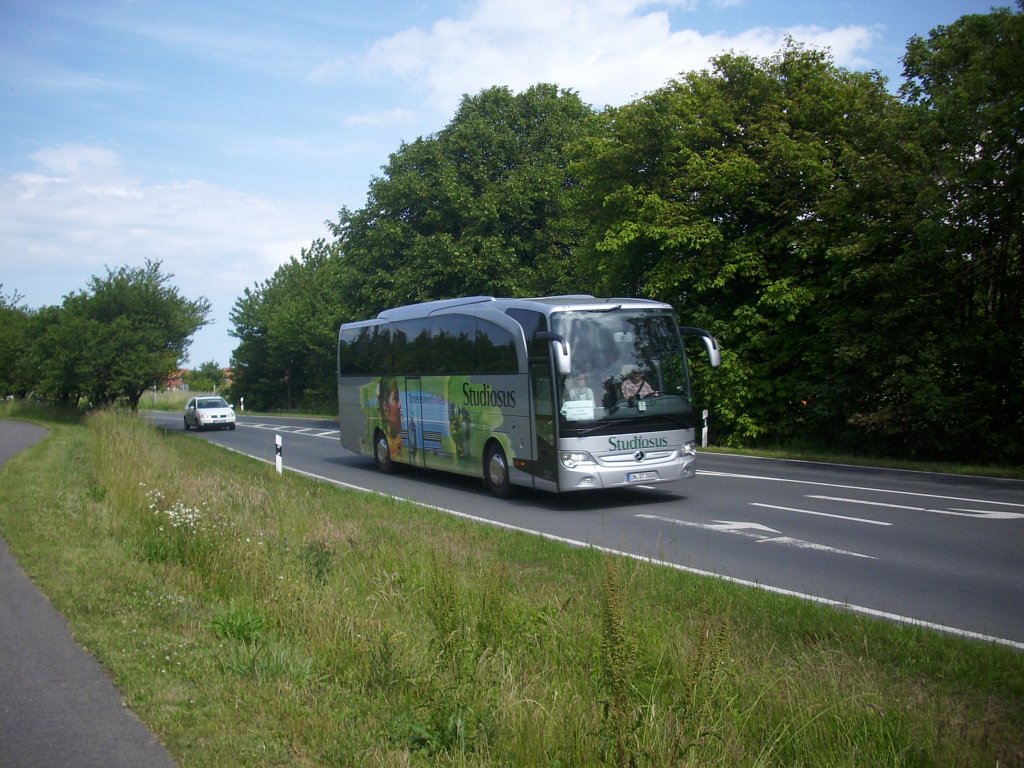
573	459
690	448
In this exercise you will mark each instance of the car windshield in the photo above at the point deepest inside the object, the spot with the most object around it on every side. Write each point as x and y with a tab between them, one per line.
212	402
627	366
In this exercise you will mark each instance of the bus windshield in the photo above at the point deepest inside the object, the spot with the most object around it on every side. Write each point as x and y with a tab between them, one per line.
626	365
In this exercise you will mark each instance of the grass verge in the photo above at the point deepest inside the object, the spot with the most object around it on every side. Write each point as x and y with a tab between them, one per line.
257	619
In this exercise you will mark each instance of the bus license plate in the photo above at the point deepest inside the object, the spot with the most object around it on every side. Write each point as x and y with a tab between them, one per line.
634	477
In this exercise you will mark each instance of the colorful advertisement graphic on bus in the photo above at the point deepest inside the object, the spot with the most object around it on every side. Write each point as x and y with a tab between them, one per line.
439	421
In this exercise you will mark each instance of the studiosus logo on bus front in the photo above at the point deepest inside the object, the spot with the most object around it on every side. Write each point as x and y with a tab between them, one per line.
637	441
487	395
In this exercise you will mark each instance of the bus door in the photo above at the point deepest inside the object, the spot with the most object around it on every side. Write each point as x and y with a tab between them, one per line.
542	393
413	417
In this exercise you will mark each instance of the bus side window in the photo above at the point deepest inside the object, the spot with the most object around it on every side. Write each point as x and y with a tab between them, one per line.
413	353
495	349
532	323
351	350
364	351
454	338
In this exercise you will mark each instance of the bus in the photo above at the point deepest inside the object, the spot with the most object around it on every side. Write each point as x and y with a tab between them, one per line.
559	393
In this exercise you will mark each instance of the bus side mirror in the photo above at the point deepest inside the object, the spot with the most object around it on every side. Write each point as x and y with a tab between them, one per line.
710	344
559	350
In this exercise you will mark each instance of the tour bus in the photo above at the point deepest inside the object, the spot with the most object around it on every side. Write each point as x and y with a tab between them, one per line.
559	393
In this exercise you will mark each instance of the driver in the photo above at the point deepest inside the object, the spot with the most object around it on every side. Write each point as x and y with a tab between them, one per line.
634	384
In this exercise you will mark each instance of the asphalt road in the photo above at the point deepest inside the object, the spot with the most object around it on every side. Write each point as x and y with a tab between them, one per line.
57	705
938	550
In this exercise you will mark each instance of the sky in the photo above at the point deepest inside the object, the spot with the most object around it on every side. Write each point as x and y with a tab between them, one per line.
218	136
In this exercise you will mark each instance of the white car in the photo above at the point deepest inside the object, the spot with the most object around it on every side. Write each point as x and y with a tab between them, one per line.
209	413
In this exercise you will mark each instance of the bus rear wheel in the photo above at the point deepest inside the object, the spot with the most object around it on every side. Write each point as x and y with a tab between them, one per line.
496	471
382	453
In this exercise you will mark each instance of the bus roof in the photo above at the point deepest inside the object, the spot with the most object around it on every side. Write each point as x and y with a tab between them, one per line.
545	304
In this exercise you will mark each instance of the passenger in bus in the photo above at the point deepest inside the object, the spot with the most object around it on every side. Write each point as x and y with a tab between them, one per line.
634	384
576	389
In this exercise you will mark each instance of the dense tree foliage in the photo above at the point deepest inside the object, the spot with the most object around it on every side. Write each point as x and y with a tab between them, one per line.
760	199
15	321
207	377
480	207
966	83
108	343
287	331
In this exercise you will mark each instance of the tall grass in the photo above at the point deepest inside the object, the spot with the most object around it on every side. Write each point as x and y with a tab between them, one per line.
255	619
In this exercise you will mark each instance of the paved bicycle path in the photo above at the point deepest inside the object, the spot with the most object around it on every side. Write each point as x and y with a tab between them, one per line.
58	707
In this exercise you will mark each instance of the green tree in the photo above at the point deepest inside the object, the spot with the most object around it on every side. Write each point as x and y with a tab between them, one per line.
480	207
287	329
115	339
966	83
256	374
15	322
736	194
56	355
209	376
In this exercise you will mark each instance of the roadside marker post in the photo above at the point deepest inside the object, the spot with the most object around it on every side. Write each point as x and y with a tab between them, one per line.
277	453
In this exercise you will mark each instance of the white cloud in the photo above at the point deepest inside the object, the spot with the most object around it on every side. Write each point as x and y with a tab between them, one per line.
82	194
844	43
79	160
610	51
396	116
79	212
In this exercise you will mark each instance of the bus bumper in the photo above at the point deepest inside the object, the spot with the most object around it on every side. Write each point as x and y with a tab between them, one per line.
614	472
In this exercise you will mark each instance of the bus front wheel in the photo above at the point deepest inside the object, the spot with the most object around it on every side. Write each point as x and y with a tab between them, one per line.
496	471
382	453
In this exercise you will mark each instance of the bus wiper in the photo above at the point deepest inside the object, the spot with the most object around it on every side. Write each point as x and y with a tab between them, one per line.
627	424
662	421
590	430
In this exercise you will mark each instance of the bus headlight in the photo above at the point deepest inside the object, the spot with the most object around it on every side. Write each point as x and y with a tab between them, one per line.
573	459
690	448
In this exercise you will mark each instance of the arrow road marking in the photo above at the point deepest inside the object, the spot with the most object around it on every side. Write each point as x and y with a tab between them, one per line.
727	526
748	530
987	514
801	544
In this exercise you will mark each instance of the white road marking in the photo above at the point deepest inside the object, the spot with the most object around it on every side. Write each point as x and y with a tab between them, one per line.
858	488
820	514
988	514
747	530
801	544
728	526
293	430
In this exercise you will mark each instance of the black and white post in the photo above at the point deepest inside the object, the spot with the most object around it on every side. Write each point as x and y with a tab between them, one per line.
277	453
